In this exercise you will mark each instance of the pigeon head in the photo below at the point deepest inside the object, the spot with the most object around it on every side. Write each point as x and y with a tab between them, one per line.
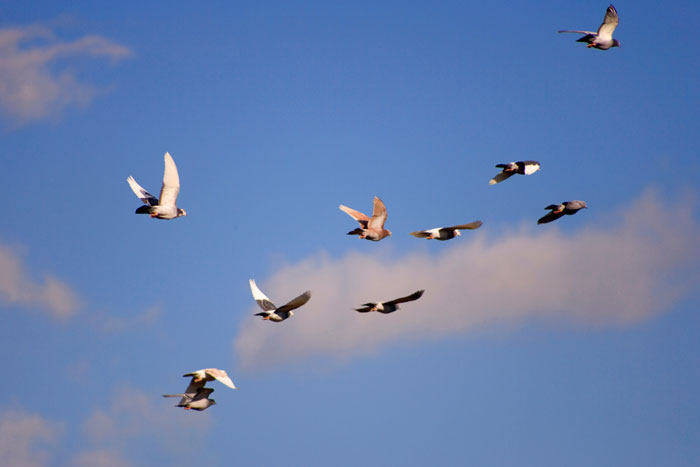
181	212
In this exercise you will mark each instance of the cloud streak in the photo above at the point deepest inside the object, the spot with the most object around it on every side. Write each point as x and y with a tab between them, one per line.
23	438
624	272
16	287
30	87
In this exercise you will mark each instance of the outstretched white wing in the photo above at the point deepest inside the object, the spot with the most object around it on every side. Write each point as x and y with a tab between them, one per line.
264	302
141	193
171	183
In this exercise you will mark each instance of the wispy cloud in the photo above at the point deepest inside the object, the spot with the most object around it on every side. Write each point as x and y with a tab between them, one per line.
24	438
17	287
101	458
31	87
133	414
633	268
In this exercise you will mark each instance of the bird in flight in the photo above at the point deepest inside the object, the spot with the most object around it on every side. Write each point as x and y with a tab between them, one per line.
603	38
446	233
165	207
370	228
270	311
389	306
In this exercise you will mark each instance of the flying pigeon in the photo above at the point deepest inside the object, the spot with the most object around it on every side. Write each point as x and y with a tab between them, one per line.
446	233
270	311
558	210
391	305
198	401
603	39
164	208
512	168
196	386
371	229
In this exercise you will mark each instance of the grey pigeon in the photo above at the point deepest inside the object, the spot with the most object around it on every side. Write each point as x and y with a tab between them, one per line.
558	210
198	401
446	233
371	229
199	379
603	38
389	306
512	168
270	311
165	207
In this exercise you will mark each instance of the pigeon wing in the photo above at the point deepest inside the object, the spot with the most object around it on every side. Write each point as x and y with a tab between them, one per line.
295	303
420	234
171	183
145	197
470	226
261	298
357	215
552	216
610	22
221	376
365	308
500	177
409	298
578	31
379	215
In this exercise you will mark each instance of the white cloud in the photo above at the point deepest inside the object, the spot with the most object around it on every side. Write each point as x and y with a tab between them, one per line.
16	287
23	438
30	86
624	272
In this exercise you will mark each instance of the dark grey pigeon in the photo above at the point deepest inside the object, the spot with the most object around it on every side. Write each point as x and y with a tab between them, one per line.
446	233
198	401
391	305
270	311
196	386
558	210
512	168
603	38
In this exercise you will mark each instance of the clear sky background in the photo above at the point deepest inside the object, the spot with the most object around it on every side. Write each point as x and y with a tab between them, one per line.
572	343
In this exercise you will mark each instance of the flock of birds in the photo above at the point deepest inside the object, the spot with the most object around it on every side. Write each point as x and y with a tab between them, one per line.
196	396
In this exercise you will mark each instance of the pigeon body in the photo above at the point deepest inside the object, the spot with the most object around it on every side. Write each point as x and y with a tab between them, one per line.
446	233
370	228
512	168
270	311
558	210
165	207
193	396
603	38
389	306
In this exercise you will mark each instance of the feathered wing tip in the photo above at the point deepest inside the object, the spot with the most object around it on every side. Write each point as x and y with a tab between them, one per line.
262	300
420	234
500	177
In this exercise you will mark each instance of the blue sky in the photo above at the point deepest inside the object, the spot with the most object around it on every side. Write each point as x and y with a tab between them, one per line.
571	343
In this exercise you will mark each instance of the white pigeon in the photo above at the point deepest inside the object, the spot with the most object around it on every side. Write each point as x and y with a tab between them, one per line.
270	311
165	207
603	38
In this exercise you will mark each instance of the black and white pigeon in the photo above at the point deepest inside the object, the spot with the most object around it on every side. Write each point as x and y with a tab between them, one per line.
389	306
165	207
196	395
446	233
603	38
270	311
558	210
512	168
